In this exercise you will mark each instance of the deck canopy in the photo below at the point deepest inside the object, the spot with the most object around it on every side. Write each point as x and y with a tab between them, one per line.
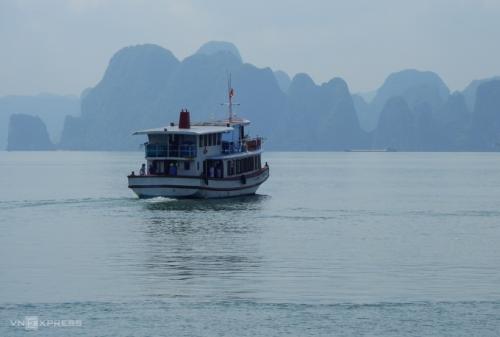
193	130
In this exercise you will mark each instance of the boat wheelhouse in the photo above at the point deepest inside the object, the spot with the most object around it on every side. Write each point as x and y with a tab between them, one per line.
200	160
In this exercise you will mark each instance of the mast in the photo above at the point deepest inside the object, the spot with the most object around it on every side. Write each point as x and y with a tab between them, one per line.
230	93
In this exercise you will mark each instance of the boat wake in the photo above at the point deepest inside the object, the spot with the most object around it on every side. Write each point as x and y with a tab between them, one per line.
11	204
159	200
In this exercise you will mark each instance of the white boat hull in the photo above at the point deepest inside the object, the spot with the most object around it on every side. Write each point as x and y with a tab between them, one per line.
196	187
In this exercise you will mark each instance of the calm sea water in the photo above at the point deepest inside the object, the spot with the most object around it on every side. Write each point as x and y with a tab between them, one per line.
344	244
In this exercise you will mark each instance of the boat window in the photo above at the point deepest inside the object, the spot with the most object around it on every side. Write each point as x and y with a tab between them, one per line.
200	138
219	169
244	165
230	167
186	166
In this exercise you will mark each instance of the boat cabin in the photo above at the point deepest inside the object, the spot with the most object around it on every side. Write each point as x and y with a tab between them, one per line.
216	150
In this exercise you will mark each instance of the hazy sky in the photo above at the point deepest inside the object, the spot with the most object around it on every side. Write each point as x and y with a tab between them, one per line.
63	46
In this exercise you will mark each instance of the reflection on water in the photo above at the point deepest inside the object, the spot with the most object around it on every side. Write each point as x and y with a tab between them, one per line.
199	240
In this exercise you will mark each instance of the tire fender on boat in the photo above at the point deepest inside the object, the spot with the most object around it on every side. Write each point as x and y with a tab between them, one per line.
243	179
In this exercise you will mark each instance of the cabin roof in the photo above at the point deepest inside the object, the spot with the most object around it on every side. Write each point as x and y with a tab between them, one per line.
193	130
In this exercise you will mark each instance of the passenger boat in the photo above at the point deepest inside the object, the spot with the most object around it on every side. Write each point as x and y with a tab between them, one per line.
214	159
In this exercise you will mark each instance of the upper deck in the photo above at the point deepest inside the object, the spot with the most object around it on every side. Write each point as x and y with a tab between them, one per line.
184	141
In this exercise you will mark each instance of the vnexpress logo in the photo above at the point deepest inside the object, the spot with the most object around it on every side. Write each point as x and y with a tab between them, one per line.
34	323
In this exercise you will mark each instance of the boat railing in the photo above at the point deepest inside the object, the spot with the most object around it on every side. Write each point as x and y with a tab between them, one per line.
248	144
175	151
253	144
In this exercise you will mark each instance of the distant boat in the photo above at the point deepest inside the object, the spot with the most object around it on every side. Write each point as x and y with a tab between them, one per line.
389	149
200	160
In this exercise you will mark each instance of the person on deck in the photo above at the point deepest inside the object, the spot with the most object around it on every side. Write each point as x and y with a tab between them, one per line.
142	171
152	168
172	170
